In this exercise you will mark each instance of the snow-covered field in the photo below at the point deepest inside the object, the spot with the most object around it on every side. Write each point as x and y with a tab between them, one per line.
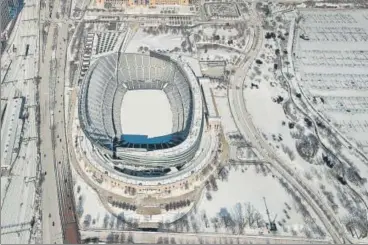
146	112
236	205
154	42
218	54
88	204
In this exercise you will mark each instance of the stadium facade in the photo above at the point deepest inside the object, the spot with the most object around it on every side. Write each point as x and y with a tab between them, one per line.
100	100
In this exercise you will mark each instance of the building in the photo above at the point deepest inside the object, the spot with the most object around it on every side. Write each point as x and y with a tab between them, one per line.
11	129
120	3
8	13
5	14
141	72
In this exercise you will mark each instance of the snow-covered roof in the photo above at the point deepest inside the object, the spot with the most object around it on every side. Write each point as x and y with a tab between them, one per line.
10	131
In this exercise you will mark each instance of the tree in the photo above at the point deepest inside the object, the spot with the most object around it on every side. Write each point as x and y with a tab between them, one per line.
110	238
208	196
120	221
239	217
112	222
106	220
258	219
87	220
166	240
160	240
226	218
250	215
197	37
130	238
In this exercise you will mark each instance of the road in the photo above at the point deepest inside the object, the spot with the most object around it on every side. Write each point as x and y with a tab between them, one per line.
52	230
59	223
246	127
198	238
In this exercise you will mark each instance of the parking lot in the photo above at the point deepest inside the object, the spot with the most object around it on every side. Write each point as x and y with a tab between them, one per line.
331	60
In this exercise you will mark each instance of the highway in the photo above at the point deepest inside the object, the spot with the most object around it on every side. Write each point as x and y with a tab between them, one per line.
59	223
52	231
246	127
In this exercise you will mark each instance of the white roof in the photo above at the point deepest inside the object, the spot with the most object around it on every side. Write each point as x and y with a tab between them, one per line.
10	131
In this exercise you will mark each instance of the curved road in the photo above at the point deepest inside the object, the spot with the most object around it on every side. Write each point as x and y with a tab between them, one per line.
246	127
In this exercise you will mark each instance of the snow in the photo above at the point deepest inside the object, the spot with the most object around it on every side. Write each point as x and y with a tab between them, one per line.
4	185
246	153
194	64
88	203
146	112
328	63
225	113
18	189
162	41
255	183
217	54
209	31
254	188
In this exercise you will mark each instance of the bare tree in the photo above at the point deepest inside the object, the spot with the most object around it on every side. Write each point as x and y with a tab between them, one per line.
205	219
110	238
122	238
87	220
258	219
166	240
250	215
106	220
130	238
239	217
112	222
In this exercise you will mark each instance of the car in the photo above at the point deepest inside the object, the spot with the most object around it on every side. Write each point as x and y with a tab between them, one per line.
53	223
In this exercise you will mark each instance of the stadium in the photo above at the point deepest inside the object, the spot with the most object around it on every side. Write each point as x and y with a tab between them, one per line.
143	114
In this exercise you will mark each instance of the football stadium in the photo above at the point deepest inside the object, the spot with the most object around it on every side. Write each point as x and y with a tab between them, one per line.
142	114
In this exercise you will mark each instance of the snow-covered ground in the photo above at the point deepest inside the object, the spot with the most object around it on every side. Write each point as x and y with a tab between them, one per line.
332	66
243	192
88	205
92	213
218	54
225	113
146	112
154	42
287	129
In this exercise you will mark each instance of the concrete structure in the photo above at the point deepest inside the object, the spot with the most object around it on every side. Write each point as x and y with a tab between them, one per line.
102	92
212	115
114	165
